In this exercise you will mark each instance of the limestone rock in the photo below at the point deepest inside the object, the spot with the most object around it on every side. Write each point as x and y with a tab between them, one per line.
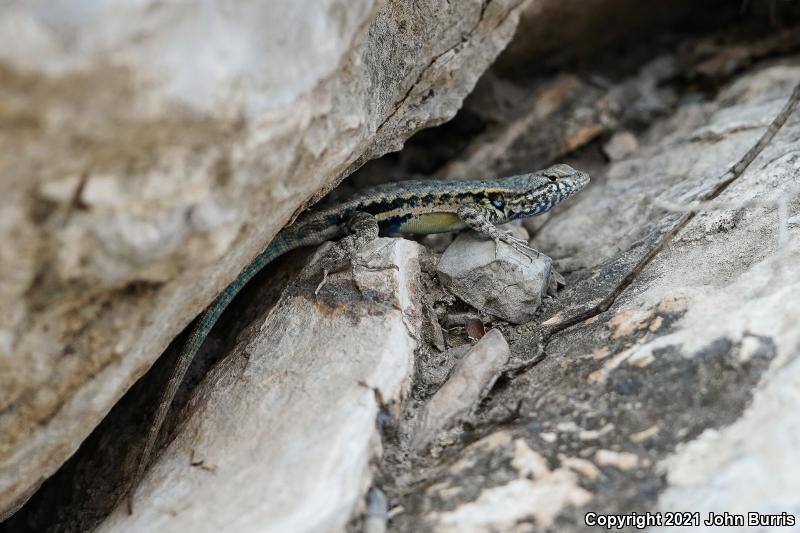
471	378
496	280
291	413
151	149
681	394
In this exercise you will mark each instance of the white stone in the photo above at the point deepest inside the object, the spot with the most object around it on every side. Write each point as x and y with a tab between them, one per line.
163	144
472	377
495	278
286	434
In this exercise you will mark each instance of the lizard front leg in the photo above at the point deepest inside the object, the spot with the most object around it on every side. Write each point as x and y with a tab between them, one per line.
479	219
362	228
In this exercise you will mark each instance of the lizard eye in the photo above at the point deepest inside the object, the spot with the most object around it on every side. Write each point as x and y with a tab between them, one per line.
552	179
497	201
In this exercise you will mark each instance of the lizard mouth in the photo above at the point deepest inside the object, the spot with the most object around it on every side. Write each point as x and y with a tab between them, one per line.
575	183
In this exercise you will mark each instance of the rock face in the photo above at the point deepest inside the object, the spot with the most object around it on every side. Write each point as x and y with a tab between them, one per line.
292	416
680	394
149	150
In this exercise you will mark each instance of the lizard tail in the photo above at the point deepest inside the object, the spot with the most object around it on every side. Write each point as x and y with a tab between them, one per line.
199	332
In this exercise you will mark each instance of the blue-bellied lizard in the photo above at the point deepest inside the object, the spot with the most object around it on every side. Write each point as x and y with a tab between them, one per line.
403	208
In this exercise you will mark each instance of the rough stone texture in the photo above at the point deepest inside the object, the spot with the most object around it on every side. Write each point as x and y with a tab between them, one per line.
535	491
471	378
495	279
727	468
290	415
149	149
678	397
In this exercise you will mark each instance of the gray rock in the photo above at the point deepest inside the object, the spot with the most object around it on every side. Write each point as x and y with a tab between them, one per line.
377	512
149	151
471	378
495	279
284	430
435	372
621	145
683	393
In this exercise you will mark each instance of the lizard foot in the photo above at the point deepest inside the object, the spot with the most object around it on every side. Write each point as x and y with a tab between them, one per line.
362	229
520	245
362	263
366	265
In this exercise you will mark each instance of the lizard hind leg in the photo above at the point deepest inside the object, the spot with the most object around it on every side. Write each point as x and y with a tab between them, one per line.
479	219
362	229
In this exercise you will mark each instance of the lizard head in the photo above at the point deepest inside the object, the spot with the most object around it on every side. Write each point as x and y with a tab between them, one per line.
532	194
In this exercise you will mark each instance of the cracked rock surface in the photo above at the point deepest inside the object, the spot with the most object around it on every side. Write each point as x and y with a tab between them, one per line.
495	278
675	398
149	150
680	395
291	415
468	382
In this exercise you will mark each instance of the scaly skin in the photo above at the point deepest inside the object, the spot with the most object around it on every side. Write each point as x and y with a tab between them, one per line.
402	208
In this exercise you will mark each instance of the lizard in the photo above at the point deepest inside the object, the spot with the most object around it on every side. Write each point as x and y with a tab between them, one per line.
413	207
